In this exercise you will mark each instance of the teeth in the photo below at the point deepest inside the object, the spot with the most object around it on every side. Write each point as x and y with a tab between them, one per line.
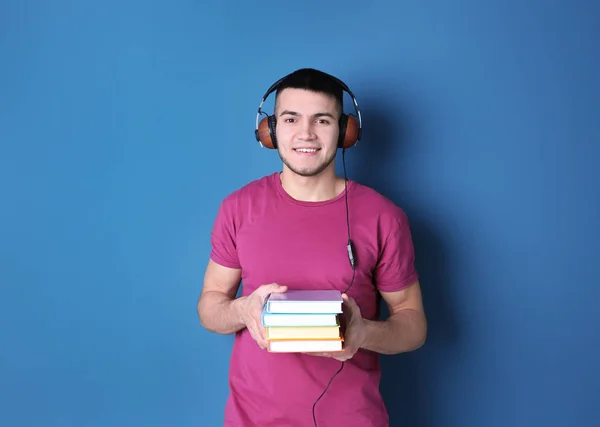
306	150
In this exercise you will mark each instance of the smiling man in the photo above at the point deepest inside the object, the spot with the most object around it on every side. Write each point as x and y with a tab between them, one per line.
289	230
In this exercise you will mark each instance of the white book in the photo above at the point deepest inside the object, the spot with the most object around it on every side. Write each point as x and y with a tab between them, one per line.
304	346
305	301
299	319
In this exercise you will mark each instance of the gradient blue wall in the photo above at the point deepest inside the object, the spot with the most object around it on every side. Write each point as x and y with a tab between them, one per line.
123	125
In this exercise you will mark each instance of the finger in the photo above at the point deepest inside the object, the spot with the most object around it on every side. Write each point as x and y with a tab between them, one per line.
258	329
262	343
255	334
341	358
348	300
316	353
263	332
350	303
273	288
343	355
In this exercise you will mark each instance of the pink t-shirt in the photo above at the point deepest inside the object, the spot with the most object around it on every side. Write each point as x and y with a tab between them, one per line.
275	238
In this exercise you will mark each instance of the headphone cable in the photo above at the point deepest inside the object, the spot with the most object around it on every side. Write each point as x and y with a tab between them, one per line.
352	260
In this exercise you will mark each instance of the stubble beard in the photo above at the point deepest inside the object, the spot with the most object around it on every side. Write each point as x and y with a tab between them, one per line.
306	172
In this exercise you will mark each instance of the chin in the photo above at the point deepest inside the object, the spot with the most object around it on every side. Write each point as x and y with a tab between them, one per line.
308	171
305	171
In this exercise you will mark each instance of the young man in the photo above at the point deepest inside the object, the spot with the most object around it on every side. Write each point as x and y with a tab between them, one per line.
288	230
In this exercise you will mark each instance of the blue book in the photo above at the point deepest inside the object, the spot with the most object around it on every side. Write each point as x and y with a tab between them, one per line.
299	319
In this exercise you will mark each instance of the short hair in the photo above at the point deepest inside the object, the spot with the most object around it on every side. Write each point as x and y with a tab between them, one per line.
313	80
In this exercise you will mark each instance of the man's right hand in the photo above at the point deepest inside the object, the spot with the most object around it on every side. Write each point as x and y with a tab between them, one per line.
251	310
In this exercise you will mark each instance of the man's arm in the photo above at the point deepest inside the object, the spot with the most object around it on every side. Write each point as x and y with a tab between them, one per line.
406	327
218	309
221	312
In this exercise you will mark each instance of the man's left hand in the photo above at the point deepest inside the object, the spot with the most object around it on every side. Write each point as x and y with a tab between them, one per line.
354	331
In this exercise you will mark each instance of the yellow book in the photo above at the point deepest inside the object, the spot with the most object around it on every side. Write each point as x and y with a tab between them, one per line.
302	332
306	345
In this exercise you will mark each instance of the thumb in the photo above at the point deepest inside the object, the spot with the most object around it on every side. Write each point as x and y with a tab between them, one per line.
273	287
349	301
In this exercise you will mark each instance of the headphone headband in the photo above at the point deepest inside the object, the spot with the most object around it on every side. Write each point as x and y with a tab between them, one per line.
350	128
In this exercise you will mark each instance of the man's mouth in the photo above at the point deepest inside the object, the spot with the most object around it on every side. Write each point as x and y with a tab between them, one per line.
306	150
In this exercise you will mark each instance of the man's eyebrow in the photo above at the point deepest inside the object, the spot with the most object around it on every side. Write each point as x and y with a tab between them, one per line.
324	115
294	113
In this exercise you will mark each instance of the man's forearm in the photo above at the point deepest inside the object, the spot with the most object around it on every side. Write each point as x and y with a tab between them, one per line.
404	331
219	313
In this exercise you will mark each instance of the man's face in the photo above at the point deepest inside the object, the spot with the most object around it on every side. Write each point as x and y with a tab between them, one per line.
307	130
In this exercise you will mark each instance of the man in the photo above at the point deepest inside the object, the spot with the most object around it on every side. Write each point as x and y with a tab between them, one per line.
288	230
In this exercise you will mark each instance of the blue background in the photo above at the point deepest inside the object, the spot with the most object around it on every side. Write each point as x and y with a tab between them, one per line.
123	125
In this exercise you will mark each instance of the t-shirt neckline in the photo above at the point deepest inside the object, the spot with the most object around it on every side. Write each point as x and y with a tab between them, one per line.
276	180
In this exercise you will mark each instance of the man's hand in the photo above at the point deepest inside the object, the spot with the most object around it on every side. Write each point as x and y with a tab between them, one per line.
354	331
250	310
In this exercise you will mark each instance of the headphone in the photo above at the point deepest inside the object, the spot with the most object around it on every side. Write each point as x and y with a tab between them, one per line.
350	125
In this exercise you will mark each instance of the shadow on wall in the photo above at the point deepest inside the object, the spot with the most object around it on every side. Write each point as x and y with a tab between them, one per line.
409	383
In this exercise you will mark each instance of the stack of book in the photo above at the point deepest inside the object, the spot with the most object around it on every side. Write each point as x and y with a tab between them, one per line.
302	321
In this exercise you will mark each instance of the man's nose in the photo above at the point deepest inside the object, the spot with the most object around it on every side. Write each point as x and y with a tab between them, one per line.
306	130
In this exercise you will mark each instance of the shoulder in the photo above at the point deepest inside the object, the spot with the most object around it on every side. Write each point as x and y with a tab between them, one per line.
373	204
251	191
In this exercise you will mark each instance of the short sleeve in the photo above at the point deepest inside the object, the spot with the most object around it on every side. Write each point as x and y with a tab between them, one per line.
223	236
396	269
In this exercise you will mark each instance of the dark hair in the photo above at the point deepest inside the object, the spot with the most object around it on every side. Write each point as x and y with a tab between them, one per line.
313	80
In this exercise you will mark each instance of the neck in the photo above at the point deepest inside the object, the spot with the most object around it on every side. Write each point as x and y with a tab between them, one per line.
324	186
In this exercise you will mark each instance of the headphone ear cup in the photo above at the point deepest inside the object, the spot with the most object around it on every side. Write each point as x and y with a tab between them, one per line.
351	131
272	133
266	132
343	126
